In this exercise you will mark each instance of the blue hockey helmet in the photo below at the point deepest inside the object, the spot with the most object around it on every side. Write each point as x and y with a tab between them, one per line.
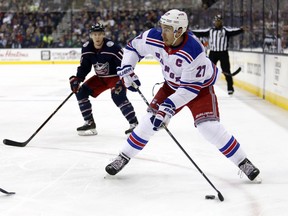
98	27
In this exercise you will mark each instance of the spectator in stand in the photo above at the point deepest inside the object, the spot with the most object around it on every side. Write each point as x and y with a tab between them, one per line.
30	30
47	40
120	15
16	43
1	41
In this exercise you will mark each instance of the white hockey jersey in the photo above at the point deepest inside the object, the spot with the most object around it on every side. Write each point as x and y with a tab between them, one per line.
185	68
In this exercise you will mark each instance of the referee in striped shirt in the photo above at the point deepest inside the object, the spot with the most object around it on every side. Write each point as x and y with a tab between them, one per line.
218	45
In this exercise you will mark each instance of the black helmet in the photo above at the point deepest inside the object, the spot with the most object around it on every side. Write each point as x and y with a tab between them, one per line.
98	27
218	17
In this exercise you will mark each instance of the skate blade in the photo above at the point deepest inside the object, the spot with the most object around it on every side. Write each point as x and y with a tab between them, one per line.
257	180
113	177
91	132
107	176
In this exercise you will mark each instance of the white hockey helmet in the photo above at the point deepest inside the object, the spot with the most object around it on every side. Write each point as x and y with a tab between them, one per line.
175	18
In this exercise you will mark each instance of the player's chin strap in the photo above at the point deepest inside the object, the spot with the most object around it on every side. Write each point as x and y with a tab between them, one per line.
174	41
176	38
220	196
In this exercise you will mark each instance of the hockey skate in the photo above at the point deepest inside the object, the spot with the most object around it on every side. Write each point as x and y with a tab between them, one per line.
132	126
230	92
249	169
117	165
88	129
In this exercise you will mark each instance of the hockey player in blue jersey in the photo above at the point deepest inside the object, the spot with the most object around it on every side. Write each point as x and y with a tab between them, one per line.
189	78
104	56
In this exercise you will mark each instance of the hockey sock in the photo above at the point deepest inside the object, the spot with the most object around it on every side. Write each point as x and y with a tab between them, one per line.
85	108
128	111
139	137
216	134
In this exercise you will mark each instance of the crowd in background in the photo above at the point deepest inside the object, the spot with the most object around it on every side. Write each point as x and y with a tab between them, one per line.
63	23
120	26
40	26
28	24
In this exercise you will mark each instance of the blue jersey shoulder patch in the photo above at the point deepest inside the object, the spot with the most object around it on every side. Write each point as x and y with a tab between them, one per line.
154	38
86	44
193	46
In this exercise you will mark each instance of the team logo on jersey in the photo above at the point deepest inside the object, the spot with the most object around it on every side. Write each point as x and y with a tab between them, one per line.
86	44
101	69
110	43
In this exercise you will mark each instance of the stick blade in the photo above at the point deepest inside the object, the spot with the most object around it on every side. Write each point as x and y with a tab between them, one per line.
7	192
234	73
237	71
220	196
14	143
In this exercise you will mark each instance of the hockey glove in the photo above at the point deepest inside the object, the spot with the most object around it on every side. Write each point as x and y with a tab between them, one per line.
130	79
75	83
118	87
165	111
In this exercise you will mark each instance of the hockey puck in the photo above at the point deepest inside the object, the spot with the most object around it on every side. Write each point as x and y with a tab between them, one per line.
209	197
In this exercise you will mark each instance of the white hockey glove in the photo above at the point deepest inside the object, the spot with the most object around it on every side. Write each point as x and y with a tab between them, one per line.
130	79
165	112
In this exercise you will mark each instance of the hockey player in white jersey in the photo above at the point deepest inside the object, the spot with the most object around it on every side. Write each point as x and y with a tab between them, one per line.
189	78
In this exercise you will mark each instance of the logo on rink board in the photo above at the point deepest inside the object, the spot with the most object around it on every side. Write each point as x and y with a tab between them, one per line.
45	55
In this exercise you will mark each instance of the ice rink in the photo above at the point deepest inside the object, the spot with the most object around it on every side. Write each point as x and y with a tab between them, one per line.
62	174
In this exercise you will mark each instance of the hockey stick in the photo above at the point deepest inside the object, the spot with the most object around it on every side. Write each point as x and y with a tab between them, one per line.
220	196
6	192
234	73
23	144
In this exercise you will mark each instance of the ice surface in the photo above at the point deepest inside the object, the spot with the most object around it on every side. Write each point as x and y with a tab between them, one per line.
62	174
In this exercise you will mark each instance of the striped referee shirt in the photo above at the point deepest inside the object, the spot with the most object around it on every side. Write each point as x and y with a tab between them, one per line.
218	37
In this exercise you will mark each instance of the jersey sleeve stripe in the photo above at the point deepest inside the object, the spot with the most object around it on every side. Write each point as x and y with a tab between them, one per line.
186	54
85	53
120	53
192	87
172	85
110	53
154	42
184	57
213	79
130	47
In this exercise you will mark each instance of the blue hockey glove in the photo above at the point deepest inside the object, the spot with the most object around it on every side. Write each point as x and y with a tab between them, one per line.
75	83
165	112
131	80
